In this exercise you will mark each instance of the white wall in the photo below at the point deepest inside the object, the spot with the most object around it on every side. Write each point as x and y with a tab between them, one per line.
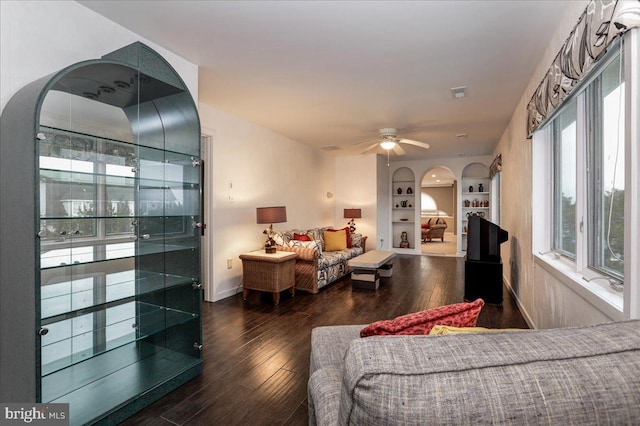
252	166
543	299
38	38
383	210
357	188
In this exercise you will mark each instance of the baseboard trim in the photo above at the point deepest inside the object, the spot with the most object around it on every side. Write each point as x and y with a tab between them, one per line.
523	311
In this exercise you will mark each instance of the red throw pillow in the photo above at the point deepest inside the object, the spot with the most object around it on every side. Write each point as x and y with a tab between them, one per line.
425	225
457	315
346	229
301	237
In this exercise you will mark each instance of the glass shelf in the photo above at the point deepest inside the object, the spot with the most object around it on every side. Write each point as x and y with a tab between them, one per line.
92	388
83	255
61	232
72	298
67	177
81	340
85	142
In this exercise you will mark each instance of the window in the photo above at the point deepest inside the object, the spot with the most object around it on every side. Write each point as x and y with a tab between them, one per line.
603	210
564	180
585	187
606	180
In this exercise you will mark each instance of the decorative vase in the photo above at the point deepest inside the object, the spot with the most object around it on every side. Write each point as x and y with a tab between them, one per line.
399	191
404	243
467	203
409	190
470	188
480	188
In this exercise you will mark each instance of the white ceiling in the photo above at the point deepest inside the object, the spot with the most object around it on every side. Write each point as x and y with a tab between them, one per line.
331	73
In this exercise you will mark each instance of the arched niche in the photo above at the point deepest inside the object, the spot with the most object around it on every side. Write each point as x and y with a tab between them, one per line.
403	207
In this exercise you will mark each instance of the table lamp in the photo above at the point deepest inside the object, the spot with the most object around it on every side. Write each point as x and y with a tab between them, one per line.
352	214
270	215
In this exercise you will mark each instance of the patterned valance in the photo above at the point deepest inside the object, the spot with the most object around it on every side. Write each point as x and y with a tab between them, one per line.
496	166
598	26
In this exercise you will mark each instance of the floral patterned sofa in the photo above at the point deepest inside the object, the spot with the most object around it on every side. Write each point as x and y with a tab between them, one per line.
316	267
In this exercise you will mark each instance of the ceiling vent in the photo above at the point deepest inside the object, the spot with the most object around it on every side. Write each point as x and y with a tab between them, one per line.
331	148
459	92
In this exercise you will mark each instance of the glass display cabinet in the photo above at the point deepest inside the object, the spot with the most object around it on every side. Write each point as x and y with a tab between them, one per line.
101	227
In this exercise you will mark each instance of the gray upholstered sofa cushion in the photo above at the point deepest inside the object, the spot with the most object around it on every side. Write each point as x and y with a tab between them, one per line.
587	375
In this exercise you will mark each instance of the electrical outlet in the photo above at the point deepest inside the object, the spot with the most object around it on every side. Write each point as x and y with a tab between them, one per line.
229	263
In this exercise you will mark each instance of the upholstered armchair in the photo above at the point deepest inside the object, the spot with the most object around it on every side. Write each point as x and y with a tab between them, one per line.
433	228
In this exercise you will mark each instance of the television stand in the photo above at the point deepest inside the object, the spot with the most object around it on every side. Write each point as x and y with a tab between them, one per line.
483	280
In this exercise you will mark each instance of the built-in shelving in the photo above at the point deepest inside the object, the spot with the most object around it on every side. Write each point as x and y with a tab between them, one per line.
403	207
475	200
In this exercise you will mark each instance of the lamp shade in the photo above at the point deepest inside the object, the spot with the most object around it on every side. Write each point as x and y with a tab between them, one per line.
271	214
352	213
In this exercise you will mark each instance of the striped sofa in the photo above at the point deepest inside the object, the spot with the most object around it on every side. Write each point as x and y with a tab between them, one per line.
315	267
581	376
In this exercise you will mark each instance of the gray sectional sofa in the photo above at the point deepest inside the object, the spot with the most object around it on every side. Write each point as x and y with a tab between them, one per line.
588	375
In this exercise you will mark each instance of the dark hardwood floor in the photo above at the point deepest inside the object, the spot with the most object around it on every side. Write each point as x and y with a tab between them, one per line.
256	355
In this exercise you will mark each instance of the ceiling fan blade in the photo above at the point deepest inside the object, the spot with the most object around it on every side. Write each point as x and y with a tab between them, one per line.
415	143
398	150
369	148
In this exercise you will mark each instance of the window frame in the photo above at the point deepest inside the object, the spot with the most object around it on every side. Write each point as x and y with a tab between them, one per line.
592	285
595	154
557	184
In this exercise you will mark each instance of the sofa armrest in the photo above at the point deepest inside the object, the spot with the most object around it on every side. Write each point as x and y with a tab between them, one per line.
304	254
364	243
306	268
323	394
465	378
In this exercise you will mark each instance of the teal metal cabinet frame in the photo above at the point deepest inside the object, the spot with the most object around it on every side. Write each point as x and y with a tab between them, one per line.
100	303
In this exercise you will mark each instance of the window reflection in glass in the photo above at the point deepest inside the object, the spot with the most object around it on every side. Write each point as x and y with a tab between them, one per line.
608	184
564	142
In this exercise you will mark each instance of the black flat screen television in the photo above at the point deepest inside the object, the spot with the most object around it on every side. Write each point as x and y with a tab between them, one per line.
484	239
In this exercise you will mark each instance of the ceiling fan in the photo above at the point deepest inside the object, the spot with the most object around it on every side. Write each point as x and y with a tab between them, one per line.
388	140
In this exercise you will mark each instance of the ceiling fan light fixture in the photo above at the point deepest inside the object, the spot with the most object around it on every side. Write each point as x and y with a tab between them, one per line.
388	145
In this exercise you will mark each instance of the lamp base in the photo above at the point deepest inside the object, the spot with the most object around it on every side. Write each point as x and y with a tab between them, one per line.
269	249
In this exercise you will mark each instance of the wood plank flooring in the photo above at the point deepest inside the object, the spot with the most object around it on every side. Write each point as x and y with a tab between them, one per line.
256	355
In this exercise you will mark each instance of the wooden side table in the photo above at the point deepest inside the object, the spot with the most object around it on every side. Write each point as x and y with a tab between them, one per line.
272	272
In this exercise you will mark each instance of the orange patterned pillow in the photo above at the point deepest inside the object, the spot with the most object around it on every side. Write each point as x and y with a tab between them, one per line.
457	315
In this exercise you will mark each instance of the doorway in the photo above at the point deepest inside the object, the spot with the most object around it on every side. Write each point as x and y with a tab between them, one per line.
438	206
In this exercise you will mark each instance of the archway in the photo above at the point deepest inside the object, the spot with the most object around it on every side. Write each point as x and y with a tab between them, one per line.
438	211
